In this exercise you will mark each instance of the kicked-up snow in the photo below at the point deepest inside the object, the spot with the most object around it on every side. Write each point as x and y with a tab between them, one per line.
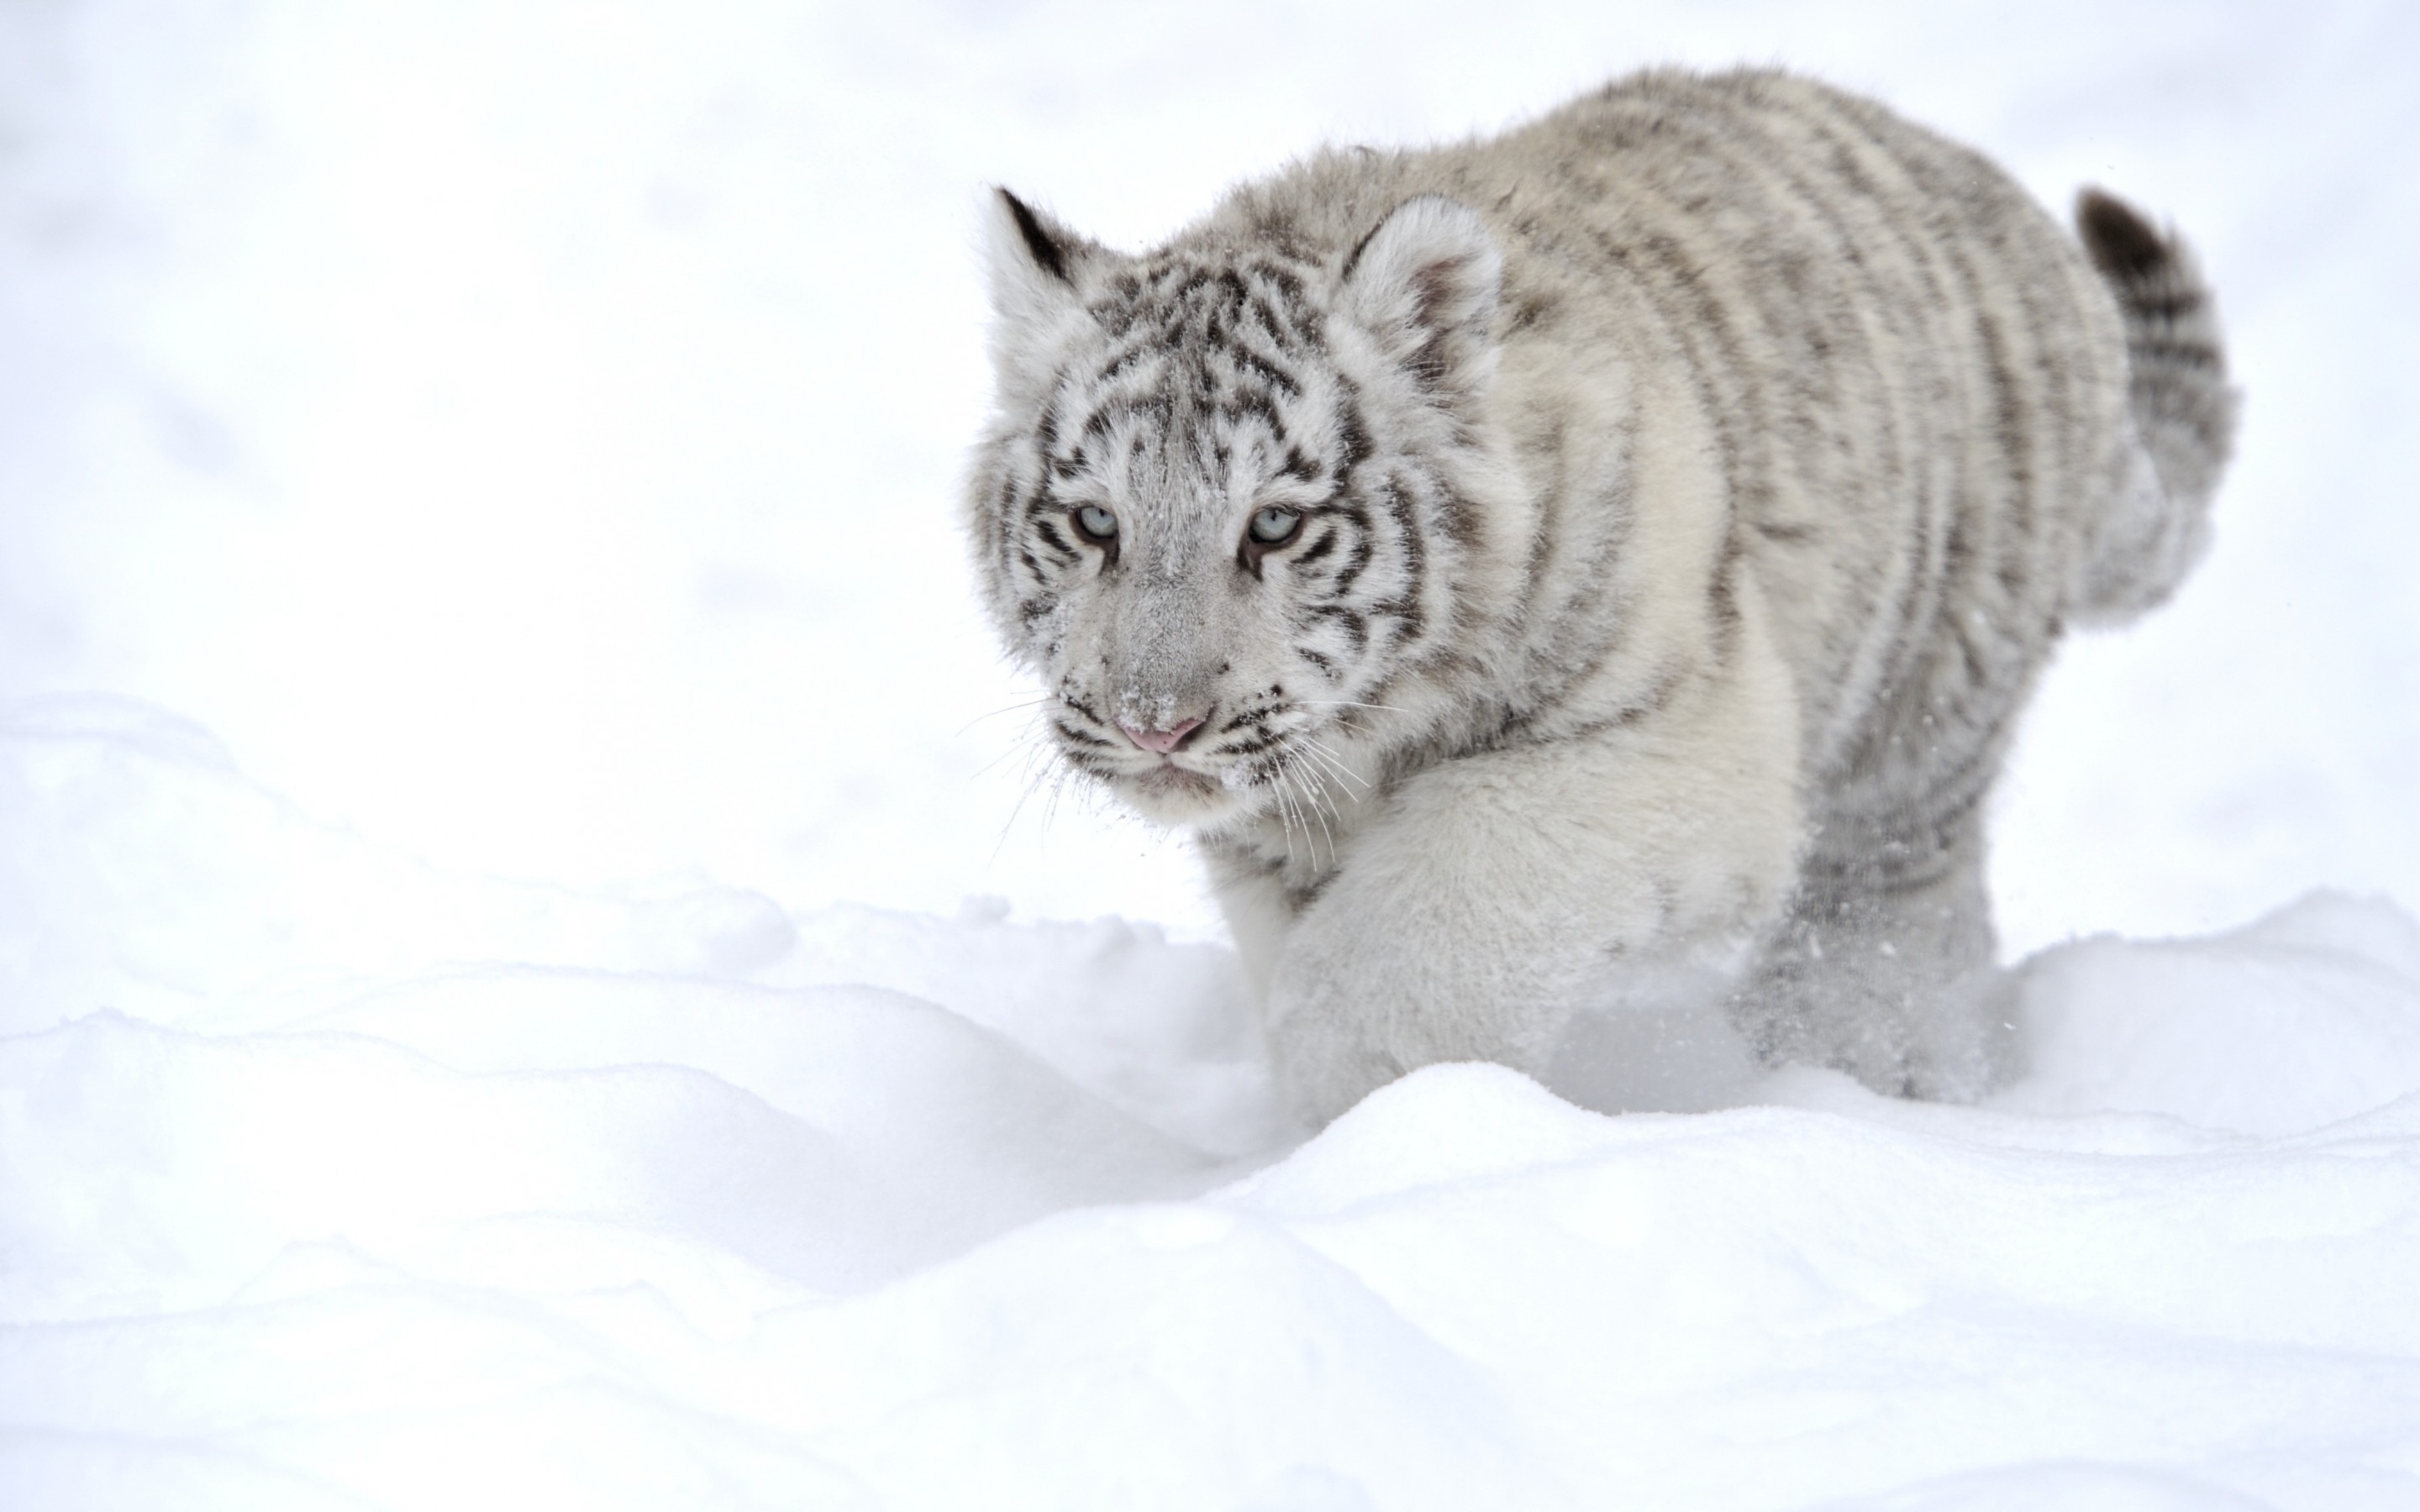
492	440
682	1202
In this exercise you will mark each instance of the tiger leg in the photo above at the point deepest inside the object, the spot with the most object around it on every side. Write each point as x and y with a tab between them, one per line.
1883	966
1502	890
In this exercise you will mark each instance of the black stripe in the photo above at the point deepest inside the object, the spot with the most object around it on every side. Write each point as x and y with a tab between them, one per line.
1046	251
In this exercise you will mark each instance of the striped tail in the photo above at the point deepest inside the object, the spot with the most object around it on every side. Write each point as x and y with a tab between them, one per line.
2183	412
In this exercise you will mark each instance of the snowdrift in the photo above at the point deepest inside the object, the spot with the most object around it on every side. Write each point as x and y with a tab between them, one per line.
331	1181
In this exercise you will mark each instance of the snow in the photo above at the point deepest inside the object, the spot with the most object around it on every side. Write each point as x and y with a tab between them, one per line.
519	985
658	1212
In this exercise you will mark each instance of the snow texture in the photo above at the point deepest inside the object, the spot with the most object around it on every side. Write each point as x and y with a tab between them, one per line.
554	1018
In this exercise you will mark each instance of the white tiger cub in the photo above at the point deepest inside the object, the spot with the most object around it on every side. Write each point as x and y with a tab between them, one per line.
1595	566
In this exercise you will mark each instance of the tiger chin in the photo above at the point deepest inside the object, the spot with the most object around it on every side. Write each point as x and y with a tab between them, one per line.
1578	587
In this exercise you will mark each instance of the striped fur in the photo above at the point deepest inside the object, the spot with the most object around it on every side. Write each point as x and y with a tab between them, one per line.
1606	562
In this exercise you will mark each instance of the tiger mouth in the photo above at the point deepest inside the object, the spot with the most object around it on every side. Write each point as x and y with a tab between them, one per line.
1168	779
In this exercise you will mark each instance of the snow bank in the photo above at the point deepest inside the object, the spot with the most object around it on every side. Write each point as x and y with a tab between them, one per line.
327	1180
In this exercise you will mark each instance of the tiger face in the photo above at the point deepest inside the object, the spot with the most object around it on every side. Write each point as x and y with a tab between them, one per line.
1215	511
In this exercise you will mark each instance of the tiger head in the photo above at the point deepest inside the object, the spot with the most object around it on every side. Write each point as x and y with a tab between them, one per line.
1232	496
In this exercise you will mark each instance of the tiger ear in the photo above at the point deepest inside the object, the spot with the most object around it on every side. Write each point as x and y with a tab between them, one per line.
1036	267
1425	283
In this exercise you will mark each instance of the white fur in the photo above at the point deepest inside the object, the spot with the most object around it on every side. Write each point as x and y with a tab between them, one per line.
1678	537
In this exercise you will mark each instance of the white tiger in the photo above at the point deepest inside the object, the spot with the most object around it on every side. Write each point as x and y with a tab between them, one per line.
1598	567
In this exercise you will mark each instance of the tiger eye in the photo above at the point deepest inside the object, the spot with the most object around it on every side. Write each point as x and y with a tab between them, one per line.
1274	527
1097	523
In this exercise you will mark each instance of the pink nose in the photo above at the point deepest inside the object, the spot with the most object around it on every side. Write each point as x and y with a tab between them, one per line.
1160	742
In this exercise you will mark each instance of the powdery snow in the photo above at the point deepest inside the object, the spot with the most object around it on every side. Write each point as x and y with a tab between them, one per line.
516	440
632	1203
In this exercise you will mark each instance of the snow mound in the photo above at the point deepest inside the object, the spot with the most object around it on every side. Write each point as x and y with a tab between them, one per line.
331	1181
2299	1020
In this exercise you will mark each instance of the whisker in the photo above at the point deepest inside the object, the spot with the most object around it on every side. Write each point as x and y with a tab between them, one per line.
1326	757
1286	807
1315	813
1325	763
1029	704
1025	744
1051	804
1035	772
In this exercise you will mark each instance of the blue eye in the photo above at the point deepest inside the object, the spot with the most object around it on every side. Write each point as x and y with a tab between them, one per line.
1096	523
1274	527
